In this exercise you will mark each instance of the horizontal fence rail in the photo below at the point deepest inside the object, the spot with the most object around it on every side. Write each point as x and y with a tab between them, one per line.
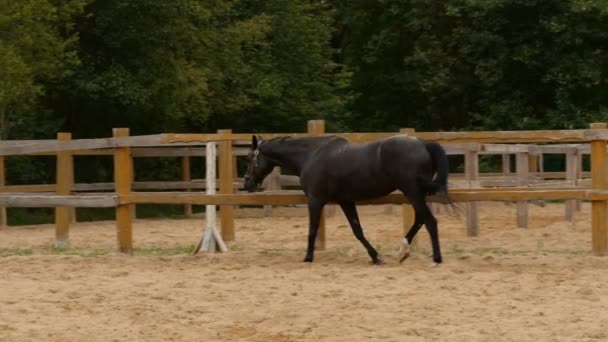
46	146
527	183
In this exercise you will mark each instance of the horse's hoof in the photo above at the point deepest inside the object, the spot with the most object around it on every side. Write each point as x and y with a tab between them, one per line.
404	252
307	260
378	261
435	264
403	256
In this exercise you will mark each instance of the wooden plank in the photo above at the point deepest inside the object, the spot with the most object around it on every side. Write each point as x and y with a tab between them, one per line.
29	188
472	174
12	143
123	177
145	152
198	184
297	197
82	144
555	149
50	200
317	127
95	152
3	215
532	175
285	180
450	149
225	177
42	146
599	218
503	148
148	152
65	182
442	137
522	169
186	178
513	136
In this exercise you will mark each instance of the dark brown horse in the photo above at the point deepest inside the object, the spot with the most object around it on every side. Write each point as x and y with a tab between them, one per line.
333	170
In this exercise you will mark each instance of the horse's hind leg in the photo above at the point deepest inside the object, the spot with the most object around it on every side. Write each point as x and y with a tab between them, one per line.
404	252
350	210
423	216
416	198
431	225
314	218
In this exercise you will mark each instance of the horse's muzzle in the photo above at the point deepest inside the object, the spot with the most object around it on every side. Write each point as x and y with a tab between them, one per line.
250	185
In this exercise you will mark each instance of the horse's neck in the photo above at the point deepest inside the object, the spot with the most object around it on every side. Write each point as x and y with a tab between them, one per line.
290	154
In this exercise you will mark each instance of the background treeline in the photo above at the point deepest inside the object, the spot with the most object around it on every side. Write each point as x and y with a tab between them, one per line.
85	66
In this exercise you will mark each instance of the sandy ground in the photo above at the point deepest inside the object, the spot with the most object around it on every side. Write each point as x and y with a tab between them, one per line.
508	284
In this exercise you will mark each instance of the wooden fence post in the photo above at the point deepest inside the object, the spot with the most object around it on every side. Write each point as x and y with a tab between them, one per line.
571	175
123	178
272	183
235	176
471	170
186	177
506	164
579	174
3	217
599	224
317	127
226	186
64	184
522	168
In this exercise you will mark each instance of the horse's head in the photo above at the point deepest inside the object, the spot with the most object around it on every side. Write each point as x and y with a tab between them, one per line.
259	166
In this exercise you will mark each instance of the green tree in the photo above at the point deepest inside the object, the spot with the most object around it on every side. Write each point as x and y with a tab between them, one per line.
475	64
37	52
190	65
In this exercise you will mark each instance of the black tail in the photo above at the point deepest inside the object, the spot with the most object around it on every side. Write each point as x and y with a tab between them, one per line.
440	167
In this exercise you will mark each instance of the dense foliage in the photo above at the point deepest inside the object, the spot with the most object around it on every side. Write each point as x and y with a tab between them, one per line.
188	65
85	66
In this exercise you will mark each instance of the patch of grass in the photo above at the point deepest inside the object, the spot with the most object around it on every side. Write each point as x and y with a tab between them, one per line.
153	250
540	245
83	252
4	252
577	252
456	250
237	247
490	250
381	249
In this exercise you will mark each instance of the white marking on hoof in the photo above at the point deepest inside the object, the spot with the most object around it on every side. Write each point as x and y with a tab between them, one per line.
433	265
404	251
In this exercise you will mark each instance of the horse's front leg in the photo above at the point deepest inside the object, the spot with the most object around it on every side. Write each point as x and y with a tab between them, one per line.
315	206
350	211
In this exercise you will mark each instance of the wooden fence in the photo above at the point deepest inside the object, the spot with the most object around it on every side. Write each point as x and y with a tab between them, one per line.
527	184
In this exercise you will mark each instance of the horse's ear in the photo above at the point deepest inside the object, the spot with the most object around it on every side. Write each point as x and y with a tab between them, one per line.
254	142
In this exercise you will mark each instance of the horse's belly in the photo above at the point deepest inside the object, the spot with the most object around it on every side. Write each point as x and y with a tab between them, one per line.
357	192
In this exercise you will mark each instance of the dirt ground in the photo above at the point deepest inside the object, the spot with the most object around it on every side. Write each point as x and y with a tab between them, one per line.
508	284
